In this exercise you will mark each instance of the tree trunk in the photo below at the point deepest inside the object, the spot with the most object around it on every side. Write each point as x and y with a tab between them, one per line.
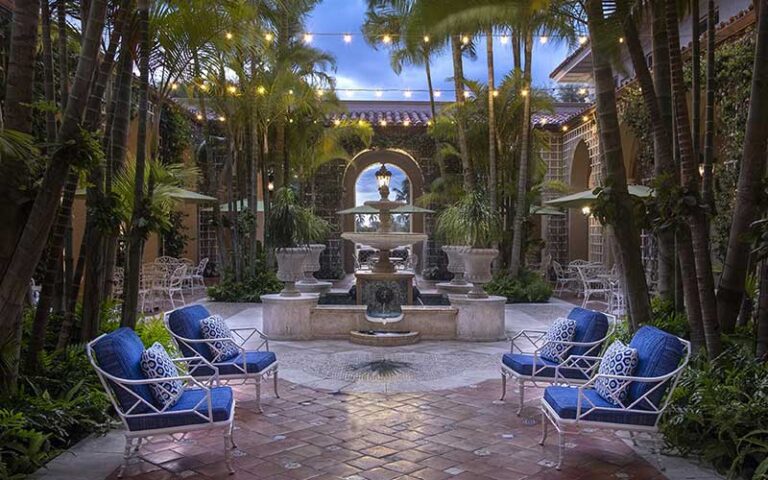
63	53
709	122
516	253
48	74
696	81
458	82
623	221
136	232
667	179
695	215
762	307
491	122
428	71
33	239
751	176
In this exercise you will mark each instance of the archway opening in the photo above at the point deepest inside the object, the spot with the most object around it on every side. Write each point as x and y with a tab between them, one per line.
366	189
578	222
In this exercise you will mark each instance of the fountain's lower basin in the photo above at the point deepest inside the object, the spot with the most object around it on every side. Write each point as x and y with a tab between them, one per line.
381	338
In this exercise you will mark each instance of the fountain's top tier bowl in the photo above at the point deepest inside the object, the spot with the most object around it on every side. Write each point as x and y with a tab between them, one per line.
385	241
384	205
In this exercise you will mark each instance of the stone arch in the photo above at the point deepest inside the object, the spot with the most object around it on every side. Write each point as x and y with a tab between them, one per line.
578	223
355	168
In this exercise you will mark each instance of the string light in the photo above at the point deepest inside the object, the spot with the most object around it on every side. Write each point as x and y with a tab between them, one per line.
466	93
269	36
565	128
437	93
495	93
408	94
383	123
320	92
386	39
337	122
222	118
229	36
543	40
406	123
429	123
174	86
504	39
308	38
585	118
465	40
543	121
262	90
347	38
290	120
582	40
361	123
290	92
524	92
621	39
199	116
204	87
379	93
426	38
582	91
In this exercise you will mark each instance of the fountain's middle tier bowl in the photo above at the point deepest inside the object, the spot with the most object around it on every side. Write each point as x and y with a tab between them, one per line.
385	241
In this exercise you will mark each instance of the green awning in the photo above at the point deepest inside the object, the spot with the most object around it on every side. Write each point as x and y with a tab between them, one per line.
179	194
539	210
587	197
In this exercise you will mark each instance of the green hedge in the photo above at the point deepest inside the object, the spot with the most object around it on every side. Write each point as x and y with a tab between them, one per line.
250	289
529	287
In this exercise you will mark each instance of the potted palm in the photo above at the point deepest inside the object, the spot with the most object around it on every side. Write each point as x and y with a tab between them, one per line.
291	228
471	222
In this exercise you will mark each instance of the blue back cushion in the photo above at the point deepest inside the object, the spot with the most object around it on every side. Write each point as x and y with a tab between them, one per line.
119	354
591	326
185	322
658	353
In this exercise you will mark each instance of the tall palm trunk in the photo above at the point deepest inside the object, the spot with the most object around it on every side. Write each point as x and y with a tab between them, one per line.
136	232
668	179
515	257
63	53
762	309
458	82
709	121
696	81
751	177
491	122
625	227
428	71
696	215
33	239
49	86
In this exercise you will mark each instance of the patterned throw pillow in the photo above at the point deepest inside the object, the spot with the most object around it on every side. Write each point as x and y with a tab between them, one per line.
619	359
215	327
562	330
155	363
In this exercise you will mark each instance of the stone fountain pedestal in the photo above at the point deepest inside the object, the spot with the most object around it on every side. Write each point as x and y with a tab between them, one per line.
479	319
288	318
319	287
450	288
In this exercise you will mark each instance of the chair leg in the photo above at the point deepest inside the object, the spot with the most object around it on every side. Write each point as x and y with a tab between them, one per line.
258	394
503	386
521	394
228	450
560	448
544	429
127	454
658	443
232	435
274	383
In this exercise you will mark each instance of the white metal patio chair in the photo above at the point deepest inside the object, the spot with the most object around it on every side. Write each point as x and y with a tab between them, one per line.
662	357
149	279
593	286
565	278
525	367
249	366
118	279
196	278
203	405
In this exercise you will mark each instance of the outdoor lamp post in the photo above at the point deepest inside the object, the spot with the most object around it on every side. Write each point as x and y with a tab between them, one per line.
383	177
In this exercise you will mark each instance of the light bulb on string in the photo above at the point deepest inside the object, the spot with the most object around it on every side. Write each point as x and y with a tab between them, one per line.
379	93
495	93
406	123
407	94
229	35
347	38
232	89
582	40
174	86
383	123
261	90
465	40
222	118
308	38
504	39
199	116
337	122
543	40
386	38
524	92
437	93
426	39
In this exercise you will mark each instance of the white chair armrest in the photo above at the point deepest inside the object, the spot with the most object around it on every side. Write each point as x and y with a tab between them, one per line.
243	339
193	363
533	337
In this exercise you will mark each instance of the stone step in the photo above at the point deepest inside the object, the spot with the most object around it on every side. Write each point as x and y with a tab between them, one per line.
381	338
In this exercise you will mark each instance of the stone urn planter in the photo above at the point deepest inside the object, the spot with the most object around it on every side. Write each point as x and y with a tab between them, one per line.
477	269
456	263
312	264
290	268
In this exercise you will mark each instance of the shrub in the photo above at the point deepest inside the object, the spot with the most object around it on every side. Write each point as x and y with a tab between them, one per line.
529	287
249	290
720	411
152	330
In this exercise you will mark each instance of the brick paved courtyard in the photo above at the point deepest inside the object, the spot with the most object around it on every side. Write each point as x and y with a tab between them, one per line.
460	433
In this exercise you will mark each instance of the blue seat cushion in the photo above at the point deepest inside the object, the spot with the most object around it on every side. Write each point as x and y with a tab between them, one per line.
255	362
185	322
523	364
564	400
222	404
658	353
119	354
591	326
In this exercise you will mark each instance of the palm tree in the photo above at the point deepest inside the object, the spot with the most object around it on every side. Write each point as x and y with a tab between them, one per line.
23	258
731	287
696	214
622	218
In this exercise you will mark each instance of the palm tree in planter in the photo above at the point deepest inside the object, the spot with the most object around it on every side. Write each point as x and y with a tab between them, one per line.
291	228
472	222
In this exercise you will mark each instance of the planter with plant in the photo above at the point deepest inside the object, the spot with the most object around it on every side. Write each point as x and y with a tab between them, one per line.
291	228
456	263
472	222
312	263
